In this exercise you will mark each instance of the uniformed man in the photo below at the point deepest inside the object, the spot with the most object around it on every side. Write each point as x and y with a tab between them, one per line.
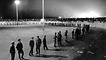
44	43
20	49
12	51
59	38
31	44
55	39
38	44
83	30
66	34
73	34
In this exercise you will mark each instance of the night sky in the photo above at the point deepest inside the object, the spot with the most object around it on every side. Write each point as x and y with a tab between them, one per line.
53	8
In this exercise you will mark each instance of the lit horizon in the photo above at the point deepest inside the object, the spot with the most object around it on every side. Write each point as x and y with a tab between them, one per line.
55	8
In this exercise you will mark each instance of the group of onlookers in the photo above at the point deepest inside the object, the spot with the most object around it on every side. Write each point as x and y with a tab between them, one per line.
76	33
57	42
32	43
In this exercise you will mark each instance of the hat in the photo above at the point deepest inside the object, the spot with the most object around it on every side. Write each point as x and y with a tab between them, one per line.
32	38
19	39
12	42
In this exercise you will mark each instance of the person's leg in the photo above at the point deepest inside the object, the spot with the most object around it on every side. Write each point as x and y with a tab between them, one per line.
39	50
67	37
13	56
19	55
60	41
46	47
22	54
54	43
36	50
30	52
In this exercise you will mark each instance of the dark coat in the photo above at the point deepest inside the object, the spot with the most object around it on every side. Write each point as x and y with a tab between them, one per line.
19	46
31	43
44	41
12	49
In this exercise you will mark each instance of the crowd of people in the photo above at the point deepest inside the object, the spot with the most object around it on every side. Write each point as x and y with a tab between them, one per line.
57	42
76	33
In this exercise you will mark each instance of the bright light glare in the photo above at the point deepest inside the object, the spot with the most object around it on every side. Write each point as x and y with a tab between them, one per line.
89	14
17	2
42	20
60	17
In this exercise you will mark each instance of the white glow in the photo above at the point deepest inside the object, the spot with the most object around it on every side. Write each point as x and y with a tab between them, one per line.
17	2
89	14
60	17
42	20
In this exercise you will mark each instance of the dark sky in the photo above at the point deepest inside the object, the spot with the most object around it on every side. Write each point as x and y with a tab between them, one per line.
53	8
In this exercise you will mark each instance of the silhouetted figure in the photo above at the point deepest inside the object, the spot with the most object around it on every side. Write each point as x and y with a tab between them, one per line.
38	44
66	34
55	39
76	33
20	49
87	28
12	51
44	43
83	30
59	38
31	44
73	34
79	30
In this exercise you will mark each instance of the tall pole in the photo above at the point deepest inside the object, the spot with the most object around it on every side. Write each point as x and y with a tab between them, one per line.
17	2
17	12
43	9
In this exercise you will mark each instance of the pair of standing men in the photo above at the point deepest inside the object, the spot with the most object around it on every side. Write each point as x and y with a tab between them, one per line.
57	39
38	44
19	47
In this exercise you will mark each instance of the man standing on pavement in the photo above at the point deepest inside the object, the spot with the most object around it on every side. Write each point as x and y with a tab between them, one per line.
20	49
31	44
12	51
38	44
59	38
73	34
83	30
66	34
55	39
44	43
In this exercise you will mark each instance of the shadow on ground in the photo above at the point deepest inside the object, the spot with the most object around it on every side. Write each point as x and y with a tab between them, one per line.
50	56
70	43
57	50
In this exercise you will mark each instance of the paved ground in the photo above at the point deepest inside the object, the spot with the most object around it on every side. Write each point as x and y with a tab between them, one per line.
12	34
67	52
